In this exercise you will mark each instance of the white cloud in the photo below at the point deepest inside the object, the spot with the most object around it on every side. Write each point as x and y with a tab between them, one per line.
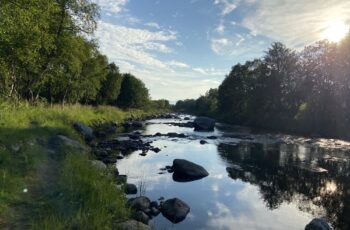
227	5
221	28
134	50
296	23
221	46
240	46
178	64
114	6
209	71
132	45
153	25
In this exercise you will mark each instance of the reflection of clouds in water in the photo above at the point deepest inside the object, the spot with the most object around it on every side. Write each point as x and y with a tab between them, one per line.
215	187
255	215
218	176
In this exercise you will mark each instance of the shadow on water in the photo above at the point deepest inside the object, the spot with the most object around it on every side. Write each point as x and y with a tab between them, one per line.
286	173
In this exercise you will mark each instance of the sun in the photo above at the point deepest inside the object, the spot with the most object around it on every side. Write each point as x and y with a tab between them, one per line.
335	31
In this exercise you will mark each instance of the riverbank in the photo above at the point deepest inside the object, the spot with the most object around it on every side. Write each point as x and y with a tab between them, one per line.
46	178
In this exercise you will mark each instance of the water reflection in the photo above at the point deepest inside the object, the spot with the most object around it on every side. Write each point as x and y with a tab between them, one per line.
272	185
285	174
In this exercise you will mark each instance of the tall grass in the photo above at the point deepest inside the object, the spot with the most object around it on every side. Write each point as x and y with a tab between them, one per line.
82	197
85	199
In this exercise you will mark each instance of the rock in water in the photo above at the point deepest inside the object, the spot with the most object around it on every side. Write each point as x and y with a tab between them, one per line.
185	171
141	216
175	210
130	189
318	224
85	130
203	142
132	225
204	124
139	203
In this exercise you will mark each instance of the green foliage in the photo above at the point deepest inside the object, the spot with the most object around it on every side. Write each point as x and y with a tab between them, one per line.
160	105
110	89
133	93
30	127
306	92
45	54
87	200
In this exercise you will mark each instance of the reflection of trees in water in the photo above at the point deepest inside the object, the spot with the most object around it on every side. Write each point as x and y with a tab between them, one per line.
284	173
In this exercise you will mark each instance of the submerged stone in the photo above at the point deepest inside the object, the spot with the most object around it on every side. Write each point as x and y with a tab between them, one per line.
185	171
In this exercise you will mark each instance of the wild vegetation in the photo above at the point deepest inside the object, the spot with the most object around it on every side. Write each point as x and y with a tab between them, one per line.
47	54
305	91
49	67
46	184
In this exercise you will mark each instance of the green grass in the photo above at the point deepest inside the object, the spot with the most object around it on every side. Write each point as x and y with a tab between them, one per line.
80	197
84	198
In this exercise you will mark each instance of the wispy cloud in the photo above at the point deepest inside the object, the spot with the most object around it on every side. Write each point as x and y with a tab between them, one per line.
153	25
114	6
132	45
178	64
297	22
209	71
227	5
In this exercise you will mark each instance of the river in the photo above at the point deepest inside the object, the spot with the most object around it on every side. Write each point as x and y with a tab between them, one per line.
278	181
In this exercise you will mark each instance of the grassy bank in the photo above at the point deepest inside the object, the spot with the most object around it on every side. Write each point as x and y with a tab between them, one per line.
41	189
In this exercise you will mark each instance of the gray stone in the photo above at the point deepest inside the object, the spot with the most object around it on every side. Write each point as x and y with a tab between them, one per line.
187	171
154	204
202	142
318	224
99	165
132	225
141	216
86	131
139	203
155	211
204	124
120	179
175	210
61	140
120	156
130	189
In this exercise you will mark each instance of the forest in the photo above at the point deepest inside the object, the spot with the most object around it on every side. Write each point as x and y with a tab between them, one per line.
48	54
302	91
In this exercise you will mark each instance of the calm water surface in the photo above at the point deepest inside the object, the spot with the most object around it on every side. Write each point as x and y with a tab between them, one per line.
277	188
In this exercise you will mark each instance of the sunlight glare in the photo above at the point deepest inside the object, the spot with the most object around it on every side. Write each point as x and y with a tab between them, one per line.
335	31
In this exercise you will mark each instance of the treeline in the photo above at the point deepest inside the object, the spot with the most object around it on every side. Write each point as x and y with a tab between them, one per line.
46	54
306	92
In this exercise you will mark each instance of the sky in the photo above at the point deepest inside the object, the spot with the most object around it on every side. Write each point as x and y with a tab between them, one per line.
182	48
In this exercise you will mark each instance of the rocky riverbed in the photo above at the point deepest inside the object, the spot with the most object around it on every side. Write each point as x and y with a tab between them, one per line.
216	176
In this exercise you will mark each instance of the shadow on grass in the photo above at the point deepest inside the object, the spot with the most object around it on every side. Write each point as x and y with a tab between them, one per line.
45	187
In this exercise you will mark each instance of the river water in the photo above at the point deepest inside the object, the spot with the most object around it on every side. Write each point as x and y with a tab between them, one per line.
278	182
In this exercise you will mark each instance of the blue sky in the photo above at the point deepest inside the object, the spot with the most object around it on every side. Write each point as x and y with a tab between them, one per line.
182	48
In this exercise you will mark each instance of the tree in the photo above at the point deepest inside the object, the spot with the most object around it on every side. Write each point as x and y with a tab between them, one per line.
24	38
133	93
110	89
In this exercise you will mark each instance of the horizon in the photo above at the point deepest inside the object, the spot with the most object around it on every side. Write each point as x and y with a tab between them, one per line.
182	49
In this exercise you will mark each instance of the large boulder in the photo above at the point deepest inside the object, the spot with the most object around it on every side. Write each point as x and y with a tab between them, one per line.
187	171
139	203
63	141
141	216
130	189
175	210
99	165
132	225
86	131
318	224
204	124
